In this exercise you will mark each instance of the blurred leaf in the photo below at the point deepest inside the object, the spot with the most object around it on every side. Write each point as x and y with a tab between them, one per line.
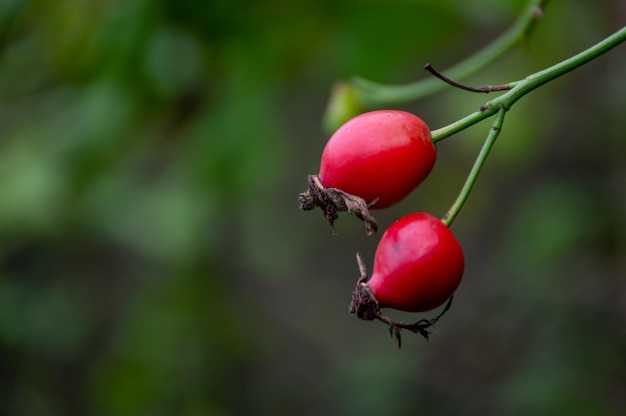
174	61
165	220
548	388
32	186
50	322
554	219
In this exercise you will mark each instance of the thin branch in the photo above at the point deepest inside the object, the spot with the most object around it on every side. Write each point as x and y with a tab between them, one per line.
373	94
483	89
531	82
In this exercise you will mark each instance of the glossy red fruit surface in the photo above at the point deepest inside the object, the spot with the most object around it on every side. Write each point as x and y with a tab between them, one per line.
381	154
418	264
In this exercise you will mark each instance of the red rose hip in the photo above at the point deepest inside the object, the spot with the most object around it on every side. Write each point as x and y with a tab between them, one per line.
379	156
418	265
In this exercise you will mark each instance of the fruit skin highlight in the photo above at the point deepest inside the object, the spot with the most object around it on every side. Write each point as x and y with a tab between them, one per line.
379	156
418	265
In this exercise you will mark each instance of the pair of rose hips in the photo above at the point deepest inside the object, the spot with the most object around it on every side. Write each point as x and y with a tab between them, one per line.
373	162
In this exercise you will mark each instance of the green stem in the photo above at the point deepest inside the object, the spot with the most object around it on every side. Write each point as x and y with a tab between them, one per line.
523	87
478	164
374	95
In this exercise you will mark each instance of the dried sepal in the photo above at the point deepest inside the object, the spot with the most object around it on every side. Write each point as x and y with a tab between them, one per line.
333	200
365	306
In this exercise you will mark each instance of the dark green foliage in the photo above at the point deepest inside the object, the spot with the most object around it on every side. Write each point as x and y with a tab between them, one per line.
153	260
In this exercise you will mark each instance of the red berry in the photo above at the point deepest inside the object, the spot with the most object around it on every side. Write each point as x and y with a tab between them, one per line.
382	154
417	266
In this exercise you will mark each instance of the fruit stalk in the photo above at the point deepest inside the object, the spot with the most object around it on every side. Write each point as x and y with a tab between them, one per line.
478	164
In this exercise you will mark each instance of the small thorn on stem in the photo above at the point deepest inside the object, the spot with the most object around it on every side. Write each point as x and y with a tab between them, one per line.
483	89
362	268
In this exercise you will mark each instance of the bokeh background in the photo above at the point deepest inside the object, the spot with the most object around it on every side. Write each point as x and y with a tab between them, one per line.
153	260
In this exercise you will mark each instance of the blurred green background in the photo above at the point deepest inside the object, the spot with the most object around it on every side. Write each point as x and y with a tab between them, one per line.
153	260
